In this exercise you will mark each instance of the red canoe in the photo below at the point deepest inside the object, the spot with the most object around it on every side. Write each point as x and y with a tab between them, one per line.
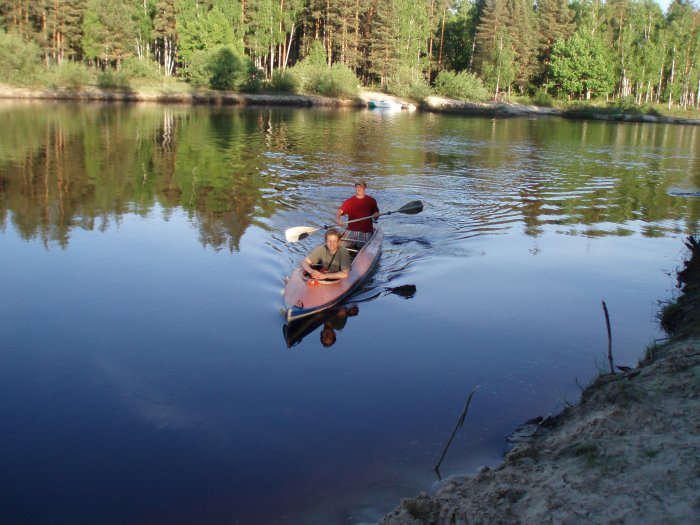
304	297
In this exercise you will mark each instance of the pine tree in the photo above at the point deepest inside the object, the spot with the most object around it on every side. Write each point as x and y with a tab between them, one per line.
555	24
109	30
383	40
522	31
493	46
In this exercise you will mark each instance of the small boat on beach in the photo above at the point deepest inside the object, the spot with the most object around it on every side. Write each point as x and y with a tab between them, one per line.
384	104
390	104
304	296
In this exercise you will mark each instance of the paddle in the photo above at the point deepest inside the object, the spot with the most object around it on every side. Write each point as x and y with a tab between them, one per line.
302	232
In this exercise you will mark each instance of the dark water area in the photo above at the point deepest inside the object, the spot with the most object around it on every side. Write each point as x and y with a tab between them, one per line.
146	375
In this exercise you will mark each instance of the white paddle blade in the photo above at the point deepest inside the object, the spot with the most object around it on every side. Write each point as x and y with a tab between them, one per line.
298	232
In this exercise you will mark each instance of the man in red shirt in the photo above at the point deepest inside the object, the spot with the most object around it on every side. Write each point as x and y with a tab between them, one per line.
356	207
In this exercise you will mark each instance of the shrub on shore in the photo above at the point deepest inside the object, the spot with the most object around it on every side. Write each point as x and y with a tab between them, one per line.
408	82
21	61
462	86
69	74
222	69
284	80
315	76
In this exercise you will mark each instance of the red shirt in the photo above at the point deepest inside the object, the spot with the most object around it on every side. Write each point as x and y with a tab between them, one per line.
356	209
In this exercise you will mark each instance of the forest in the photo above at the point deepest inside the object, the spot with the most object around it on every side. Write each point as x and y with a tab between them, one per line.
625	50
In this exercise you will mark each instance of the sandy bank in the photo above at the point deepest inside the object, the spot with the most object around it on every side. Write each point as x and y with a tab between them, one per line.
629	452
221	98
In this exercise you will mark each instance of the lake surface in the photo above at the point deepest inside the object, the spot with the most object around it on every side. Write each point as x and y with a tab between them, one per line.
145	376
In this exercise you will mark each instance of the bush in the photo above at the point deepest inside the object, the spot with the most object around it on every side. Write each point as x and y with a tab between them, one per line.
227	70
405	81
543	99
196	70
313	75
628	105
284	80
222	69
337	80
140	70
462	86
255	80
68	74
112	79
21	61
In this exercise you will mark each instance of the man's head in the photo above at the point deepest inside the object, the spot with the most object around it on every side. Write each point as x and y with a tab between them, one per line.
332	240
360	187
328	336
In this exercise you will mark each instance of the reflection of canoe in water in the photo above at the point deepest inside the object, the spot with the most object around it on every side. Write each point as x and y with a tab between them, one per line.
304	297
295	331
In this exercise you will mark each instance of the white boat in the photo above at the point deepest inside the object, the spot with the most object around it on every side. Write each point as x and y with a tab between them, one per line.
385	104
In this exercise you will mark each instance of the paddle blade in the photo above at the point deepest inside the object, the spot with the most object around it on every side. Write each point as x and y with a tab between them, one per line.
411	208
298	233
407	291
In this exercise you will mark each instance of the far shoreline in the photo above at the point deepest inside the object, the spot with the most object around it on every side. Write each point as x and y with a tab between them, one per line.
432	104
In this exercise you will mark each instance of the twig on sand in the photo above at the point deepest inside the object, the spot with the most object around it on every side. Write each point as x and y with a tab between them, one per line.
607	323
460	422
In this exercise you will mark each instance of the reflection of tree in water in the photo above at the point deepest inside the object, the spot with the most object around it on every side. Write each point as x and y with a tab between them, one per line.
87	166
67	166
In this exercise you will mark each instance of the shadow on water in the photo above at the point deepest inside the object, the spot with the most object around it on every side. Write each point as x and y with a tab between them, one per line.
334	320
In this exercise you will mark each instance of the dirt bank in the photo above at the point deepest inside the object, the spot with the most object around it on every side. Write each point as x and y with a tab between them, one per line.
220	98
629	452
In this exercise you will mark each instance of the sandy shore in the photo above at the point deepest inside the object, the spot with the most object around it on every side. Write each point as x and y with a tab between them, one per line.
629	452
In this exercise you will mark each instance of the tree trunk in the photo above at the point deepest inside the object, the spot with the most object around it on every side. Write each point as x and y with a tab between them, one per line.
289	46
442	37
670	80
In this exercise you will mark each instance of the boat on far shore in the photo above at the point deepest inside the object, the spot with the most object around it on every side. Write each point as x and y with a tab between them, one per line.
389	104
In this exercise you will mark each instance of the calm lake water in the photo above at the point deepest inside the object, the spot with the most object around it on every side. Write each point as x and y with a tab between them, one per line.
145	376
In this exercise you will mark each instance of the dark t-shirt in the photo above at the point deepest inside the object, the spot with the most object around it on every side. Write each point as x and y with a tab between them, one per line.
358	208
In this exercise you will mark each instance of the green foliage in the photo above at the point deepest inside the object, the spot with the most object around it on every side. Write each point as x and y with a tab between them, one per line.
462	86
628	106
284	80
542	98
255	80
227	71
208	26
460	29
133	72
196	69
141	70
222	69
581	66
616	48
407	81
110	30
112	79
314	76
498	67
21	61
317	55
336	81
69	74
